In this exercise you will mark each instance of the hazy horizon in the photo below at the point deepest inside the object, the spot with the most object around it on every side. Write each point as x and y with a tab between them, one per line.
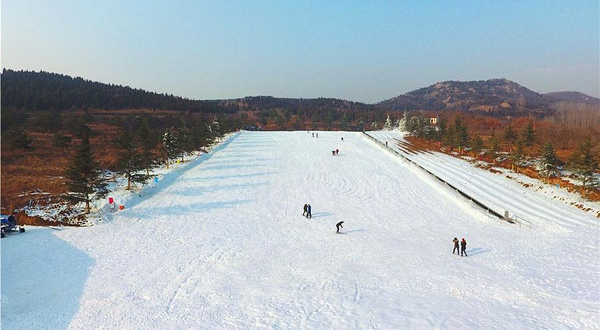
362	51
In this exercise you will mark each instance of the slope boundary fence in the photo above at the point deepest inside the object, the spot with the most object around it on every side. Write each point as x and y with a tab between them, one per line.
478	203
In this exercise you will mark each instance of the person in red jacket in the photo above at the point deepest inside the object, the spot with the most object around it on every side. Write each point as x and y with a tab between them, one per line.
463	247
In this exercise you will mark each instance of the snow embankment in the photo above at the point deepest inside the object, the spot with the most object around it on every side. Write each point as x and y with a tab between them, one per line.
523	197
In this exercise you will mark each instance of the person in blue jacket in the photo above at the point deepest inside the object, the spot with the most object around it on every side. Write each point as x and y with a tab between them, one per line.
309	209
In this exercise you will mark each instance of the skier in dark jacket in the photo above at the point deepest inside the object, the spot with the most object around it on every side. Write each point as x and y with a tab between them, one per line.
305	213
338	226
309	212
463	247
455	240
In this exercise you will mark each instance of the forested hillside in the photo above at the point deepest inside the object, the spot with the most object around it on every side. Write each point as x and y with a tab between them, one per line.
41	90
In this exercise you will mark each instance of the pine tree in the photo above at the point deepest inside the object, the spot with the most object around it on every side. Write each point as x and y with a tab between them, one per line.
280	120
403	123
216	128
441	131
584	163
15	138
494	147
60	140
461	133
388	124
80	128
48	121
11	117
517	155
147	143
528	134
129	159
171	146
509	134
184	141
83	176
477	144
449	137
549	163
430	133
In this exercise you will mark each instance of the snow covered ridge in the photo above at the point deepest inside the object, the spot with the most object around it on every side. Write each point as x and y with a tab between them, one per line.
58	212
221	243
523	197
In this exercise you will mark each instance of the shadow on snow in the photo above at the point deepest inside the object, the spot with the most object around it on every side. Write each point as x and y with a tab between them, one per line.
57	271
172	176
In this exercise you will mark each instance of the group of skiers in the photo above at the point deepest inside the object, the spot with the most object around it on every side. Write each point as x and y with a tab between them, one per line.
335	152
308	214
463	246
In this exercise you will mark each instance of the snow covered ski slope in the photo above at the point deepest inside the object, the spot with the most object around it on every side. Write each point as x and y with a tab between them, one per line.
226	246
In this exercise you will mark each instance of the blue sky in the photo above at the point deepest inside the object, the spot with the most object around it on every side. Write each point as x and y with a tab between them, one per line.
364	51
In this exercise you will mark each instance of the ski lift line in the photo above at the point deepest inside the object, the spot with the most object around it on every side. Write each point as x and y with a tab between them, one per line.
461	193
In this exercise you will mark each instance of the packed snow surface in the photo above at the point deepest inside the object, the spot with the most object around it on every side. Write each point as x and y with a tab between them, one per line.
222	243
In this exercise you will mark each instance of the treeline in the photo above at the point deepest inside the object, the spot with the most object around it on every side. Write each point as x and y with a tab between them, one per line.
290	104
320	113
195	130
129	144
521	144
315	118
35	91
38	91
576	114
137	151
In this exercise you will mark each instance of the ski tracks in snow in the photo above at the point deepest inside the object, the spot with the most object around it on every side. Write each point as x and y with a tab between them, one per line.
225	246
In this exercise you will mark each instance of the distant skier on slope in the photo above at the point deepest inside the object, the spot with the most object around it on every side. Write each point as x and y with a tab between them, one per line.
309	212
455	240
305	213
338	226
463	247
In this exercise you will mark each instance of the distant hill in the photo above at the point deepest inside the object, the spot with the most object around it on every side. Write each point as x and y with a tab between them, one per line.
41	90
494	97
36	91
574	97
266	103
